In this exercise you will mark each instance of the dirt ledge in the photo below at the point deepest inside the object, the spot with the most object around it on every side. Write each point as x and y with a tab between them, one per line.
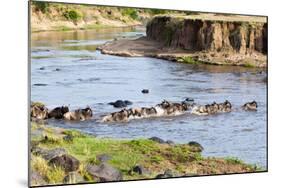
144	47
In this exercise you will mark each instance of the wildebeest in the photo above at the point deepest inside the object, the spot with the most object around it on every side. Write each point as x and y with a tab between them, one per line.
163	109
58	112
79	115
212	108
121	116
250	106
39	111
148	112
169	108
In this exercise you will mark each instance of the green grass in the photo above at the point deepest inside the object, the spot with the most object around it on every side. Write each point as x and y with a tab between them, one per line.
62	28
233	160
82	170
96	26
40	165
55	175
249	65
73	133
188	60
123	155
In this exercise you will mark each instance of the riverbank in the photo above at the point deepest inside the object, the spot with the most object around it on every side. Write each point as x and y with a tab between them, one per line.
47	16
205	38
67	156
62	17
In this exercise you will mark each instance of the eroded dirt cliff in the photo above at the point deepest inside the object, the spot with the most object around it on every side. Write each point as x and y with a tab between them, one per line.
205	38
210	35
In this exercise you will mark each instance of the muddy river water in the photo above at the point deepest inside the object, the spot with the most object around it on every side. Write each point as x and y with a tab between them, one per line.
66	69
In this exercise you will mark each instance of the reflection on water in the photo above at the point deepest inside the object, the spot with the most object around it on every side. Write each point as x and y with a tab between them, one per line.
75	74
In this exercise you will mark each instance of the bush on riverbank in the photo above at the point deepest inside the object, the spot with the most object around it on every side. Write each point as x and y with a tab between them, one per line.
41	6
73	15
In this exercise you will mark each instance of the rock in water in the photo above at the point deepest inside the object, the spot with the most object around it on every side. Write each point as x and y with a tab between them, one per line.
128	102
67	162
145	91
189	99
161	141
104	173
157	139
120	103
40	84
170	142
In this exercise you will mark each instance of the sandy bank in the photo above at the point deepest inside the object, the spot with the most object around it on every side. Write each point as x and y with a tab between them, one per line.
144	47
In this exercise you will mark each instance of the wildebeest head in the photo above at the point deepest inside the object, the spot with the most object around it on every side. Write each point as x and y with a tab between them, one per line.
186	105
164	104
39	112
130	112
251	106
254	104
227	104
87	112
64	109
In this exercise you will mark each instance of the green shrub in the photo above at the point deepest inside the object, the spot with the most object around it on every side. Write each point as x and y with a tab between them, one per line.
131	12
158	11
72	15
41	6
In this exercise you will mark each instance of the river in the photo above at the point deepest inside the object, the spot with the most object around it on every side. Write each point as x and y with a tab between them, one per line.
66	69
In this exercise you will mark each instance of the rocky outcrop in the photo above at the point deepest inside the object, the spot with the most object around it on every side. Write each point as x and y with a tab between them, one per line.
104	173
209	35
49	154
67	162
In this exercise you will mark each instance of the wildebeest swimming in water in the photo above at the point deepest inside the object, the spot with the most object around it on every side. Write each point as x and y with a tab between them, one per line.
250	106
212	108
38	111
58	112
167	108
163	109
79	115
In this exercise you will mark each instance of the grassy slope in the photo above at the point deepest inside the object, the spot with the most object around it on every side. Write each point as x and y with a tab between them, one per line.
183	159
60	16
56	16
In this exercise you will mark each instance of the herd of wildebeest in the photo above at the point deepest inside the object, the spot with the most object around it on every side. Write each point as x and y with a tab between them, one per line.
40	112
